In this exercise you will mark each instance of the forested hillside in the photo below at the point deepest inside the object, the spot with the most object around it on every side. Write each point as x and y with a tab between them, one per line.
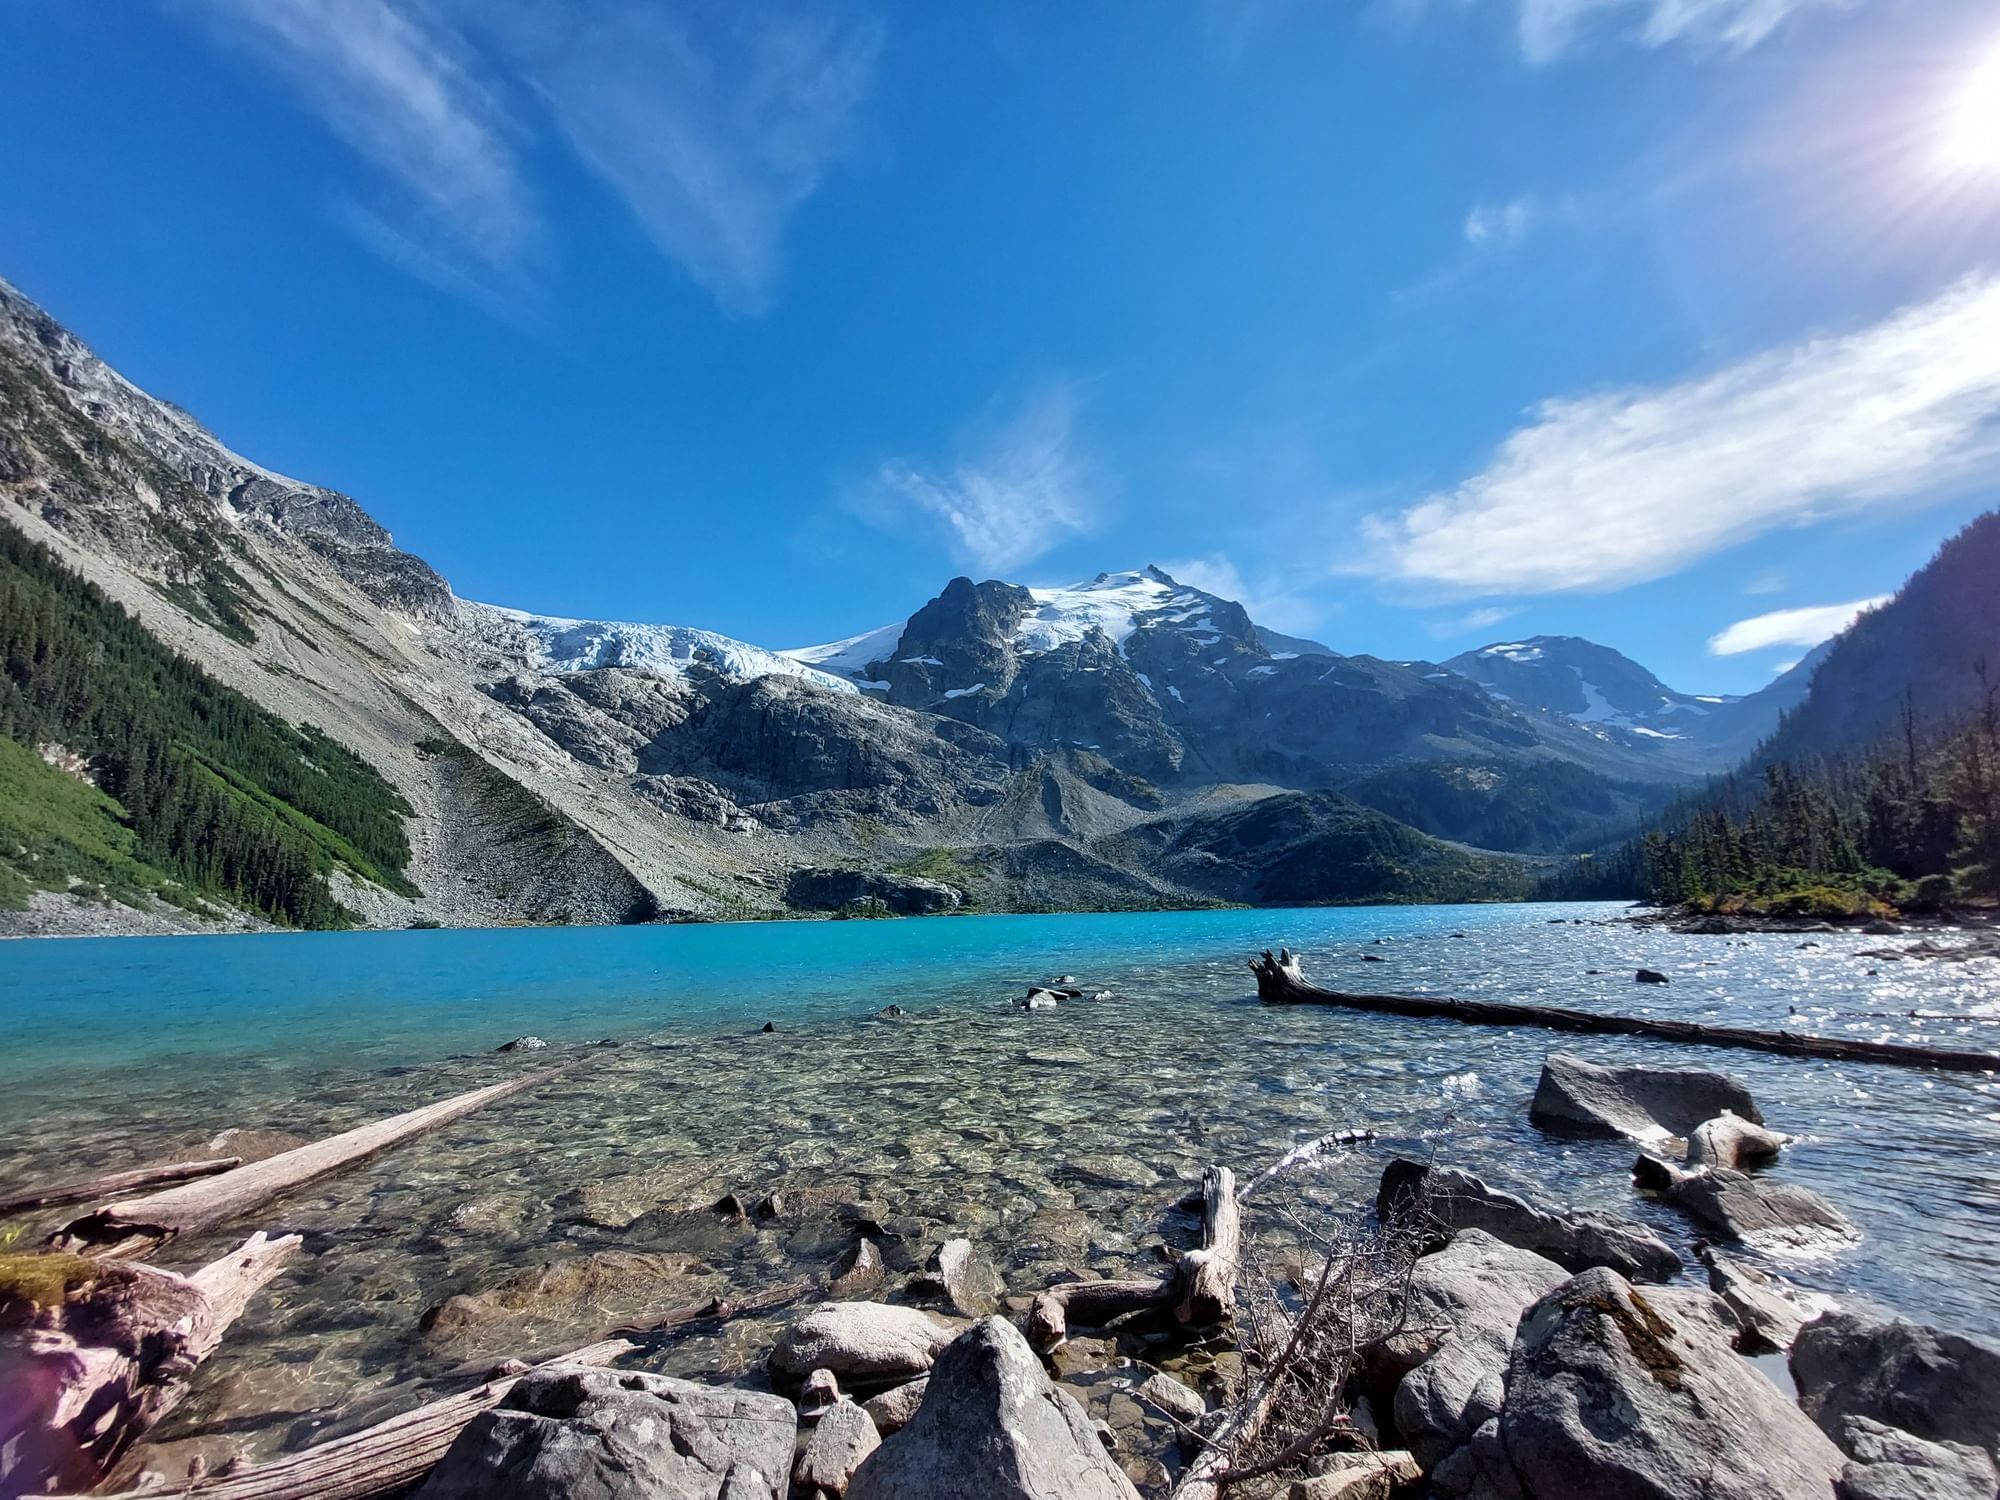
198	792
1911	825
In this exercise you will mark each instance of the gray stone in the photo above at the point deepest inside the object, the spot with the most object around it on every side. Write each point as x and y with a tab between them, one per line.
1360	1476
992	1427
1614	1394
1476	1287
862	1343
817	1395
1770	1310
1177	1400
571	1433
905	895
845	1436
1581	1098
1944	1387
1890	1464
891	1411
1574	1239
1737	1206
970	1284
1727	1141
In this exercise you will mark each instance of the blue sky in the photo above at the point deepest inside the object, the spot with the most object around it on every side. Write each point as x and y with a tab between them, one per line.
1416	324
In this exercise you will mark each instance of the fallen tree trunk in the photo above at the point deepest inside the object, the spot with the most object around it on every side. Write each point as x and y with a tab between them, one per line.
1091	1304
138	1226
112	1184
1209	1274
102	1351
1280	981
379	1460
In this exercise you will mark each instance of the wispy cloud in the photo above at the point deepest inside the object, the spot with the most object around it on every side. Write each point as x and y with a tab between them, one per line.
713	138
713	143
1501	224
1471	621
1601	491
1550	28
1807	626
1015	491
405	90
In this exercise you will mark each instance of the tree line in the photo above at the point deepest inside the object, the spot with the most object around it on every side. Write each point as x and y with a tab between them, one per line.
225	797
1911	823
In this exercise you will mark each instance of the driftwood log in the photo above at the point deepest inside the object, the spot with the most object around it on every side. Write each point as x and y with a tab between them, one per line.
138	1226
379	1460
1281	981
97	1352
113	1184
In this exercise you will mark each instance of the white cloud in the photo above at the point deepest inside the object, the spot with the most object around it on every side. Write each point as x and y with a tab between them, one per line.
1549	28
1015	492
1769	581
712	143
1501	224
1807	626
403	89
1601	491
1472	620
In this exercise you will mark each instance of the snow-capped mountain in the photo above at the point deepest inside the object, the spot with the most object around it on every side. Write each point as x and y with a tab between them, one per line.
1609	695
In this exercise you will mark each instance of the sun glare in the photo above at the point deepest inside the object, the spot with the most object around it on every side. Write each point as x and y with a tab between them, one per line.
1972	133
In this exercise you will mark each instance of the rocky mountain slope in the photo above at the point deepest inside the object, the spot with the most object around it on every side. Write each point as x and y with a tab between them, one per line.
1128	741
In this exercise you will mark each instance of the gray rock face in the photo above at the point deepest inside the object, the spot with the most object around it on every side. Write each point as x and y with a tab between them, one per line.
863	1343
891	1411
905	895
1889	1464
1944	1387
1574	1239
1611	1393
845	1436
1581	1098
589	1434
1360	1476
1770	1310
992	1427
1477	1287
1741	1207
1727	1141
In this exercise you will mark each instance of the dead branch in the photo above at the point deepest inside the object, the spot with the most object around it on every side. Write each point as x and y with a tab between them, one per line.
113	1184
1299	1156
380	1460
105	1350
1280	981
1210	1273
138	1226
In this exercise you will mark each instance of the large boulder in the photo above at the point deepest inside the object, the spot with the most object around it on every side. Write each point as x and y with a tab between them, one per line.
1887	1463
904	895
863	1343
992	1427
575	1433
1755	1210
1576	1240
1581	1098
1943	1387
1476	1287
1624	1395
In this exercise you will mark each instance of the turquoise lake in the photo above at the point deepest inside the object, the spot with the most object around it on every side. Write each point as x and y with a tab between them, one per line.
1056	1139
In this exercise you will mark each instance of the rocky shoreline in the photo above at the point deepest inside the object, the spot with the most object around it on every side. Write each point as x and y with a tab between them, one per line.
1484	1345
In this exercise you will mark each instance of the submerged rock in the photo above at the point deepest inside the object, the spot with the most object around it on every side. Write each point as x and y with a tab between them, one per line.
551	1298
1943	1387
1574	1239
1581	1098
992	1427
569	1433
863	1343
522	1044
1741	1207
1611	1392
965	1279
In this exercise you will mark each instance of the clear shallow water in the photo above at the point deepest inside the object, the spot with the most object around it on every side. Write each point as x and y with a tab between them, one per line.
1056	1139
